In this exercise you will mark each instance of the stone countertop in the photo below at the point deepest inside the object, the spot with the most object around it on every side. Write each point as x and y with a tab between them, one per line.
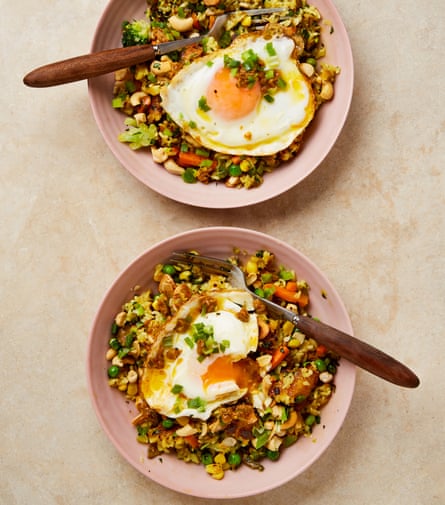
371	217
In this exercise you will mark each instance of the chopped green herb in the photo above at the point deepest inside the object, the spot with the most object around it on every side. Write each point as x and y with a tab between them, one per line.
189	175
114	343
202	152
203	105
231	62
167	341
261	439
286	275
123	351
130	338
197	403
250	59
130	86
270	49
189	342
176	389
118	102
281	83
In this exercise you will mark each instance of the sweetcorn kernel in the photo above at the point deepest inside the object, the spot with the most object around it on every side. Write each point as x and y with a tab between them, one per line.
251	267
215	470
220	458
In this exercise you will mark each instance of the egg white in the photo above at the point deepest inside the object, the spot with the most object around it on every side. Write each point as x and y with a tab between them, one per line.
186	371
269	128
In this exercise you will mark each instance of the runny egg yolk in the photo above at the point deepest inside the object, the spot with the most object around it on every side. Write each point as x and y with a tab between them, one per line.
227	99
244	372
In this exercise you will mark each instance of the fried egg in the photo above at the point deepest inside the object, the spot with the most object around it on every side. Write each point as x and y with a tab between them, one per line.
205	100
204	351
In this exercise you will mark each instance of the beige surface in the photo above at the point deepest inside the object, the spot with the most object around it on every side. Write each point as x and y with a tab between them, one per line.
371	217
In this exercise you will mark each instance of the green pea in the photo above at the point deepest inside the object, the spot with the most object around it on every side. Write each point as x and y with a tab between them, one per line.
167	423
332	368
235	170
113	371
310	420
289	440
320	364
273	455
234	459
169	269
206	458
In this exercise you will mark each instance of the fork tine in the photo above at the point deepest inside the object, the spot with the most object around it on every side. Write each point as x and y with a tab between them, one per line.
258	12
207	263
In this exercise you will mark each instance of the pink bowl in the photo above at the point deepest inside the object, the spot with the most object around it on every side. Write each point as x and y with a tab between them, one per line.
115	414
319	138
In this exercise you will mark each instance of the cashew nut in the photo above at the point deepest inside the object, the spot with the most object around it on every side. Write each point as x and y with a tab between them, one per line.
122	74
136	98
326	377
229	442
232	181
264	329
307	69
132	376
186	431
327	90
173	168
120	319
140	117
111	353
160	67
181	24
159	154
274	444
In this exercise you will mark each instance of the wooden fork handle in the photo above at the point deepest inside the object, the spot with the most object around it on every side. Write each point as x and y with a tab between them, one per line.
88	65
358	352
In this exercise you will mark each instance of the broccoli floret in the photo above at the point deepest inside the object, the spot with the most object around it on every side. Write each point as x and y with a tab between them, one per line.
138	136
135	33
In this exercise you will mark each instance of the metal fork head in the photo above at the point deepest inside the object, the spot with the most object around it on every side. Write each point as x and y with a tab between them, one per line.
208	264
235	275
221	20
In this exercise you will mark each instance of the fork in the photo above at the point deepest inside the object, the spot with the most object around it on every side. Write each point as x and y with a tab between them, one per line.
346	346
109	60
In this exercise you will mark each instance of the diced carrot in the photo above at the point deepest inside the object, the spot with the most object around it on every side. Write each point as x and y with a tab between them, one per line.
285	294
279	355
303	300
291	286
192	440
236	160
189	159
321	351
196	23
